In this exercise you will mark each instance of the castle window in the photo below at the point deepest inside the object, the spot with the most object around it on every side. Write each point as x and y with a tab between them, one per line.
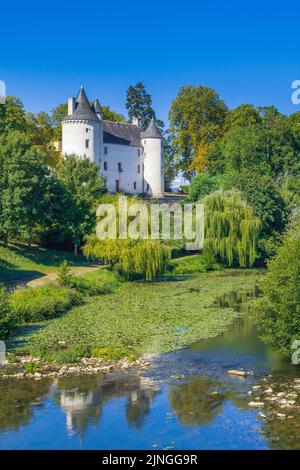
138	152
139	168
120	167
147	187
134	185
87	143
105	166
86	130
105	151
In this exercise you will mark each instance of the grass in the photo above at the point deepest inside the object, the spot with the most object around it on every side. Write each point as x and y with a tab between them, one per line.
20	261
142	317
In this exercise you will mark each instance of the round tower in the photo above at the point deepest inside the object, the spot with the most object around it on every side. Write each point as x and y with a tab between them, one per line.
82	129
153	161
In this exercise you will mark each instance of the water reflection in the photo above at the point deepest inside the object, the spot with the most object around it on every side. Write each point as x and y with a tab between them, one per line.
209	408
83	398
18	399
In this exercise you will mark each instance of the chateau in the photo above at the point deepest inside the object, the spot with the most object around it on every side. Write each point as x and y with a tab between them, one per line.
130	158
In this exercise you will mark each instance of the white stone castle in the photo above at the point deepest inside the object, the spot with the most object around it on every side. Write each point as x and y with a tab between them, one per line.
130	159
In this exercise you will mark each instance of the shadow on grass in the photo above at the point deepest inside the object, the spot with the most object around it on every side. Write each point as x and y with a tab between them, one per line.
13	278
20	338
45	256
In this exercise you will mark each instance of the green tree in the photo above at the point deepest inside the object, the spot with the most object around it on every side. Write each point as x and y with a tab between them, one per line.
24	181
12	115
148	258
231	229
110	115
139	104
197	117
243	116
262	193
7	320
277	310
84	186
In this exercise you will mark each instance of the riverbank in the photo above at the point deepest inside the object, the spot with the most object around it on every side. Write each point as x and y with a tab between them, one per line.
136	319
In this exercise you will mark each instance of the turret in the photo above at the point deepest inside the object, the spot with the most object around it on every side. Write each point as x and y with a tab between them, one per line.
82	129
153	160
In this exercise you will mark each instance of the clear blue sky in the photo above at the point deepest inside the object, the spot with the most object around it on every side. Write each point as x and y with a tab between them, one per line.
250	53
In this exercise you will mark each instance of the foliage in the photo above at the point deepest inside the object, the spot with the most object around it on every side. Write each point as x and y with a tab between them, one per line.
24	187
264	196
149	258
73	354
194	264
7	320
139	105
110	115
197	118
31	367
93	284
277	310
113	354
231	229
12	116
84	186
39	303
201	185
64	274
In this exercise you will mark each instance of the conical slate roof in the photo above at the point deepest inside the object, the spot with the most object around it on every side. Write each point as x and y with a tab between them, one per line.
83	110
152	131
97	107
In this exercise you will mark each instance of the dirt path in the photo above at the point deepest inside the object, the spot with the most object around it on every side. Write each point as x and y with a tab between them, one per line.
41	281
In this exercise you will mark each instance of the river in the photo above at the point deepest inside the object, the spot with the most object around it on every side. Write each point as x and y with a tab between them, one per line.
185	400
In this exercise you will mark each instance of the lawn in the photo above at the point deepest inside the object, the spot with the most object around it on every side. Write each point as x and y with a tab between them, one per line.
145	317
20	261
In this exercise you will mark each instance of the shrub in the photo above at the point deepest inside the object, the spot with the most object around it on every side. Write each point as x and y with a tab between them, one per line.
194	264
8	320
149	258
31	367
64	274
277	311
113	354
89	286
73	354
40	303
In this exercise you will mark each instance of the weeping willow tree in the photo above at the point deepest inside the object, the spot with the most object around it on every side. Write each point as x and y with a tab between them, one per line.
231	229
148	258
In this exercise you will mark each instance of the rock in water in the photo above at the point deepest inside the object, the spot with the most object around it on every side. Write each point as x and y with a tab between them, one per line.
241	373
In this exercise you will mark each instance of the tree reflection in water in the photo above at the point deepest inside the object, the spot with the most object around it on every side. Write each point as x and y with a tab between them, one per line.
83	398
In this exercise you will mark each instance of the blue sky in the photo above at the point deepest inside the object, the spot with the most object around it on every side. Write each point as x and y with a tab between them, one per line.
248	52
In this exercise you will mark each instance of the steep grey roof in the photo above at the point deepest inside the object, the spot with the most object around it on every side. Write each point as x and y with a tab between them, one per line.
152	131
97	107
83	110
123	134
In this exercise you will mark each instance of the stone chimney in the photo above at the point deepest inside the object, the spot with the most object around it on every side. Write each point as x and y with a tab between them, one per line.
71	106
136	121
